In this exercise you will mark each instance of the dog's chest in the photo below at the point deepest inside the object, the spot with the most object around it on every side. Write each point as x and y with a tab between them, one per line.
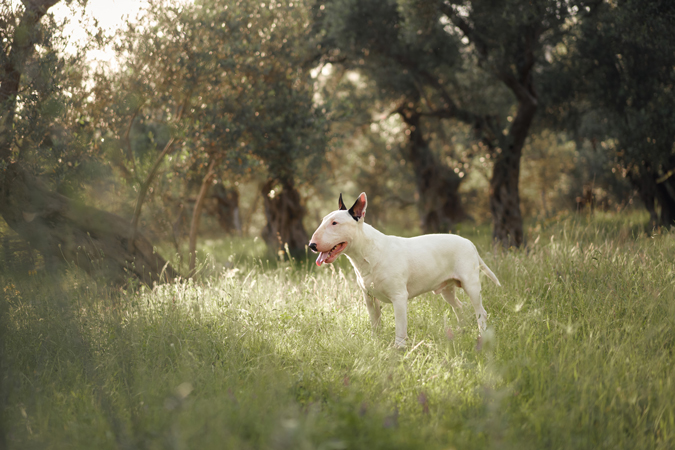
371	283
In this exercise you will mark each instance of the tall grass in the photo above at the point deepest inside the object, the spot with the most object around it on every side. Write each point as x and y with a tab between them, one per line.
281	356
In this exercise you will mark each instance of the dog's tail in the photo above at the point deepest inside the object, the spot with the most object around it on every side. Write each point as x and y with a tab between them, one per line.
486	270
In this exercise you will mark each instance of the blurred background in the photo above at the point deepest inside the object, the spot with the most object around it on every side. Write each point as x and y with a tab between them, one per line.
134	133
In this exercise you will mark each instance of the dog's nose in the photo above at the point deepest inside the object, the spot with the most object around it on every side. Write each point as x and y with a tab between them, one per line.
312	247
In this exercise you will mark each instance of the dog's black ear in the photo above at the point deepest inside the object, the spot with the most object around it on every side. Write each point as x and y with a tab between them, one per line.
341	204
358	211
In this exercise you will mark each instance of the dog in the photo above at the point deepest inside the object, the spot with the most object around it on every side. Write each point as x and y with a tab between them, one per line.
394	269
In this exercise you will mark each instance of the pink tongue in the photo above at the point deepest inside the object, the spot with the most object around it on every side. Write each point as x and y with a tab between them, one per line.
322	257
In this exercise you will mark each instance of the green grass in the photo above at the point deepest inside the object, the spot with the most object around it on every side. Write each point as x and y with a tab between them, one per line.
280	356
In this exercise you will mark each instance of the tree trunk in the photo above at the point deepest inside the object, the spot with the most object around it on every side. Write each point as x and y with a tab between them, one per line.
665	193
656	189
23	46
507	222
64	231
439	203
284	213
643	181
196	215
227	209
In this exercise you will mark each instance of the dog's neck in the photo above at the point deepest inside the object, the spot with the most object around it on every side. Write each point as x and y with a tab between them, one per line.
362	248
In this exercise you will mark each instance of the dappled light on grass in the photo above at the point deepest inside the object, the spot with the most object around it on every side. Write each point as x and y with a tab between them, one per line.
578	355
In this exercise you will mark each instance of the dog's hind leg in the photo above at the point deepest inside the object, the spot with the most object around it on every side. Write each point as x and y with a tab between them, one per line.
472	289
448	294
374	310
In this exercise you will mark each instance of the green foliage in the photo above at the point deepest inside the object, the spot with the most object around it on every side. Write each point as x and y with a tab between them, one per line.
621	60
611	80
579	355
371	36
47	130
227	79
222	82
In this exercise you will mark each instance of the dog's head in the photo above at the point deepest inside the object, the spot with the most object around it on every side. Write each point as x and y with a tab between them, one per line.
337	230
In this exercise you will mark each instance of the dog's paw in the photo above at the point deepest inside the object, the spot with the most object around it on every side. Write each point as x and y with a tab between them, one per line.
399	343
486	340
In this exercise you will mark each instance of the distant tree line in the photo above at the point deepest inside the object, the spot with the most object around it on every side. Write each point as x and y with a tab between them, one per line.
294	96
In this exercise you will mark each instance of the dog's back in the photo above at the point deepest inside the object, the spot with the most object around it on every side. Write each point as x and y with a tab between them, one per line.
429	260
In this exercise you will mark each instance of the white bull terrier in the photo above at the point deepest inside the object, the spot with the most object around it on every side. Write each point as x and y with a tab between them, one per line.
394	269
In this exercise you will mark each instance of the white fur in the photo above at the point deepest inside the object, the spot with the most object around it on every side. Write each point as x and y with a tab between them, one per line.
393	269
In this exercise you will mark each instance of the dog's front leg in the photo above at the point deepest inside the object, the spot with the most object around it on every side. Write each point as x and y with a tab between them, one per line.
374	310
401	320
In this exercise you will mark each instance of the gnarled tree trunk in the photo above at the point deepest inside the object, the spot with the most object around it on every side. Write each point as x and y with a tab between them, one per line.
66	232
507	222
284	213
439	203
22	48
655	188
665	193
227	209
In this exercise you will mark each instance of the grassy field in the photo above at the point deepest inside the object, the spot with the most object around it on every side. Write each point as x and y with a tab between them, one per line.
257	355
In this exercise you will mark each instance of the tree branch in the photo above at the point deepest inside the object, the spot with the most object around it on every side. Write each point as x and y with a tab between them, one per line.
465	27
146	185
127	141
196	215
520	90
151	175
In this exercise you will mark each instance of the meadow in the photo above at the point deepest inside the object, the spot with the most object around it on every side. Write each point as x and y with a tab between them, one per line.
280	355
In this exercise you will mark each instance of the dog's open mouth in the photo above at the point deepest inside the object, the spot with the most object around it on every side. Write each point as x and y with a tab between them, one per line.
331	255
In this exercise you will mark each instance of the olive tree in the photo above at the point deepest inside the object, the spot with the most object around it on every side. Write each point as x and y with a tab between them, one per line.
46	151
229	83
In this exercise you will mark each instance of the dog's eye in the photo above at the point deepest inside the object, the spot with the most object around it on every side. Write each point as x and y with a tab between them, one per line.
334	223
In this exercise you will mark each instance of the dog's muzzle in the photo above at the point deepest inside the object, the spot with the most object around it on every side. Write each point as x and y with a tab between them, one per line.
312	247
